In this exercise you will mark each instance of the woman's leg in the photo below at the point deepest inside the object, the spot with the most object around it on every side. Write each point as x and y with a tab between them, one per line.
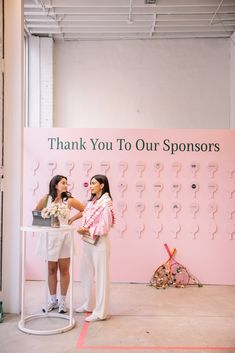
52	276
101	261
87	278
64	283
64	275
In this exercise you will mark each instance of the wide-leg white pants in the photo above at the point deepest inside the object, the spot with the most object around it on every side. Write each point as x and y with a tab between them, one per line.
95	265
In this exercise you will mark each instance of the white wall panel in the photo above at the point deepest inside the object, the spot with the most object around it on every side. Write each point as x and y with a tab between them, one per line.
40	82
142	84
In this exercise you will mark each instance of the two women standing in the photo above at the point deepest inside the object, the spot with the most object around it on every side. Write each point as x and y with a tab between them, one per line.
98	218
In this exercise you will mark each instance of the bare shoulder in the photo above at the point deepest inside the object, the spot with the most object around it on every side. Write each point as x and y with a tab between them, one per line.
41	203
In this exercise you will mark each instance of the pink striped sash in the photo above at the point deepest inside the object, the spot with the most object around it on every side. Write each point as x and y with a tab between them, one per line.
101	203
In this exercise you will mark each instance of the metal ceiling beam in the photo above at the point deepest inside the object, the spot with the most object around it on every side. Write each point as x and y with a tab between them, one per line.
168	36
113	21
92	26
215	6
134	11
122	31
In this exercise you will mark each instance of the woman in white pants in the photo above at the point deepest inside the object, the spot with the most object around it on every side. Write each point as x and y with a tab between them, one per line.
98	218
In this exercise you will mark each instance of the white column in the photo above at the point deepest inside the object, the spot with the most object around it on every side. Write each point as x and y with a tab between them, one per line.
34	82
13	132
232	82
40	82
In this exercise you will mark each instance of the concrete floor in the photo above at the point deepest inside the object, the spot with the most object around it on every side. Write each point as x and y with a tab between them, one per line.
143	319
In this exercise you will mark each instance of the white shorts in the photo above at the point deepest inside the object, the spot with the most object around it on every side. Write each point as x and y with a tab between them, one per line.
58	246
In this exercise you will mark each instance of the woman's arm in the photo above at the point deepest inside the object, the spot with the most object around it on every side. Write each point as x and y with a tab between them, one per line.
75	217
74	203
41	204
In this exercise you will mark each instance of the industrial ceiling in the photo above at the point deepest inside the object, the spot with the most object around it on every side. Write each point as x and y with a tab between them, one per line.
129	19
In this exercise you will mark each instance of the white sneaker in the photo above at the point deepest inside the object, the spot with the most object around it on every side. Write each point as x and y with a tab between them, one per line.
62	308
81	309
92	318
51	306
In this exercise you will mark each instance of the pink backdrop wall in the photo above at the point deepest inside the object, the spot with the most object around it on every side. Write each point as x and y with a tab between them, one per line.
168	186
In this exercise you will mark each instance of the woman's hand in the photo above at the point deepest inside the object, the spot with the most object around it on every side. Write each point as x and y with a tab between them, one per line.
83	231
74	218
70	221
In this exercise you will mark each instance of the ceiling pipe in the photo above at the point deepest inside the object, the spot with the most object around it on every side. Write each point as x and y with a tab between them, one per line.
47	13
130	20
154	23
26	29
216	11
40	2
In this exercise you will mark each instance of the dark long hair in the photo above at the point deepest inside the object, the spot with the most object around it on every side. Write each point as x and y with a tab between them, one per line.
53	191
102	179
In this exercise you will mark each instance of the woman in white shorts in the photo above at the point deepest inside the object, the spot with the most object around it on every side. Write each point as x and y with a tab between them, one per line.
58	245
